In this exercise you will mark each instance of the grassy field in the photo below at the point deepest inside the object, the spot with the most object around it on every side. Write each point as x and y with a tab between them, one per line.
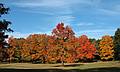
111	66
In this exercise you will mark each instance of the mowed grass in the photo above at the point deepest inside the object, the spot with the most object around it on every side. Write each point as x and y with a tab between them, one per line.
110	66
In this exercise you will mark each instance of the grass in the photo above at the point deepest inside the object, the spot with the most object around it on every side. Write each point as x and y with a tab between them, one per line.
110	66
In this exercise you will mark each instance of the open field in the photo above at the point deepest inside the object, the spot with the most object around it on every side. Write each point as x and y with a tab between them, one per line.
73	67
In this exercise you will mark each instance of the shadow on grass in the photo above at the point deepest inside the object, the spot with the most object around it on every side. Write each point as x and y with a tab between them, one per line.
111	69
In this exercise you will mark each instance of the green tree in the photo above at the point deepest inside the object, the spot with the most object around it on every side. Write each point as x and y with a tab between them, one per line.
4	27
117	44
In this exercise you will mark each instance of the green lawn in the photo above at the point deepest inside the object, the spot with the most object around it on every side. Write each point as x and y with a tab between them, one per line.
111	66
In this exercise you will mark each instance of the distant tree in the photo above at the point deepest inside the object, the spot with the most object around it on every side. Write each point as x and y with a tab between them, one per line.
96	43
117	44
106	48
4	27
92	40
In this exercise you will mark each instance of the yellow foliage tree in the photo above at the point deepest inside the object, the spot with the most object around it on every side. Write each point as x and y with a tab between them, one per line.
106	50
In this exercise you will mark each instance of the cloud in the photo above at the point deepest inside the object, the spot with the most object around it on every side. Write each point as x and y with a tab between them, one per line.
109	12
41	3
85	24
97	30
97	33
66	18
117	8
52	3
25	35
53	6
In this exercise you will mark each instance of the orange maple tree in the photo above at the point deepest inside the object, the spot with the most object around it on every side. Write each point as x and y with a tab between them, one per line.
106	48
37	44
14	51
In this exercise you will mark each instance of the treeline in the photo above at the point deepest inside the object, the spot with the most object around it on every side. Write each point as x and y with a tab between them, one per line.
60	47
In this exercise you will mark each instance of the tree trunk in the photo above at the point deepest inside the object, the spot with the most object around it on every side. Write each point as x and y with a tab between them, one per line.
62	61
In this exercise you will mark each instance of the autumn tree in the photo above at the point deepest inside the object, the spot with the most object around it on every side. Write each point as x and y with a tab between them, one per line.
11	49
15	49
85	50
4	27
70	49
25	51
37	44
62	34
106	48
53	55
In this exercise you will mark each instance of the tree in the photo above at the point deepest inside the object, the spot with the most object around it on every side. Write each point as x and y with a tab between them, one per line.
117	44
92	40
62	35
37	44
96	43
25	51
4	27
70	49
11	49
106	48
15	50
53	50
85	50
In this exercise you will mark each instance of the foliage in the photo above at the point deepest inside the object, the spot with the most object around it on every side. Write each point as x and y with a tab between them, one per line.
60	47
85	49
117	44
106	48
63	35
37	44
15	49
4	27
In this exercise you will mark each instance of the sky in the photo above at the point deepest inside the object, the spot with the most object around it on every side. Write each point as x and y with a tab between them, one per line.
94	18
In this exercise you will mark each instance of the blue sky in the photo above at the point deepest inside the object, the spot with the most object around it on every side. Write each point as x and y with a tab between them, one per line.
93	18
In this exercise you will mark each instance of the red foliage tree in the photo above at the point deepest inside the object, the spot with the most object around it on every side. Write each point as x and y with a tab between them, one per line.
63	35
85	50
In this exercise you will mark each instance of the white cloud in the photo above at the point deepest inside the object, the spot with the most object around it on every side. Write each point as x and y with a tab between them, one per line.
53	6
41	3
52	3
97	30
24	35
97	33
109	12
67	18
85	24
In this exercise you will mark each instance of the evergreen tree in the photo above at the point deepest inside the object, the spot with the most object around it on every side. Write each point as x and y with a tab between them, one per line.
3	29
117	44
